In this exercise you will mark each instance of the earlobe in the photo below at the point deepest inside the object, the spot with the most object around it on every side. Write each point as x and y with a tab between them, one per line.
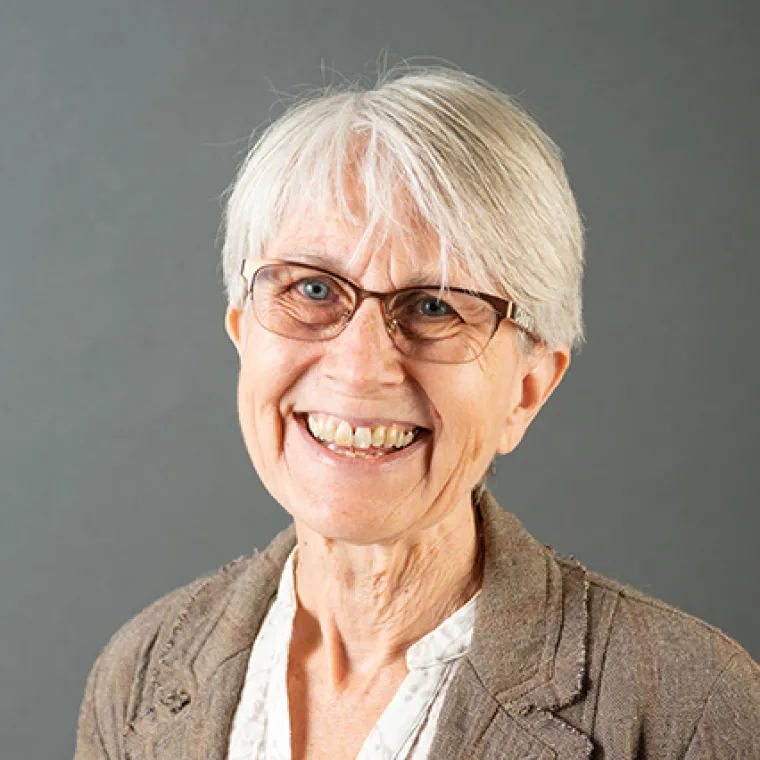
505	441
232	324
522	414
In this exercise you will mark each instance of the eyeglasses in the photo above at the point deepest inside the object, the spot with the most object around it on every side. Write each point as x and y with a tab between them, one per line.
432	324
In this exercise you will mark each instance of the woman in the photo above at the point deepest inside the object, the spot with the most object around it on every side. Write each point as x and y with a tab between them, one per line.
403	268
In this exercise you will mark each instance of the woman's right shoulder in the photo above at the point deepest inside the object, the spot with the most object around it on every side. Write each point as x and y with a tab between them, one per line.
134	642
125	666
130	675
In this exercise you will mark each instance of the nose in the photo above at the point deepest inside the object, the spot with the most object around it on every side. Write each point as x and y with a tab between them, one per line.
363	358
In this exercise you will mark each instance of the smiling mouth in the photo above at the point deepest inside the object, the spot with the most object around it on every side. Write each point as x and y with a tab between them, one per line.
359	442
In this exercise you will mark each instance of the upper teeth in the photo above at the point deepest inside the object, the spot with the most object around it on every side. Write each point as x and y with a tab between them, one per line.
342	433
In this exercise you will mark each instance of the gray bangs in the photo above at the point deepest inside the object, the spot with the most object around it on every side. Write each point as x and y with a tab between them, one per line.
437	155
339	162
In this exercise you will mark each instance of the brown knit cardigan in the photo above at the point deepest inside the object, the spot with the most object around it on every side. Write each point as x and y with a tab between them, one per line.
563	664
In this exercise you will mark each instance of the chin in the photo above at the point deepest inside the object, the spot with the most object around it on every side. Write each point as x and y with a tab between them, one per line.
342	522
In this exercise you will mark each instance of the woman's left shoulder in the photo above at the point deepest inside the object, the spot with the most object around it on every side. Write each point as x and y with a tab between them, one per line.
682	682
630	618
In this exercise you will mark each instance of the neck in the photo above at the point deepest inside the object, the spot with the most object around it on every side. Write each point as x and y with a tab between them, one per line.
362	607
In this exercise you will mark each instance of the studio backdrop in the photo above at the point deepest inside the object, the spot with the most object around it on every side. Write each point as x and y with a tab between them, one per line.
122	469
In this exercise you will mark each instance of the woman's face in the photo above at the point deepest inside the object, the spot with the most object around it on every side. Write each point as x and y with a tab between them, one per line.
469	412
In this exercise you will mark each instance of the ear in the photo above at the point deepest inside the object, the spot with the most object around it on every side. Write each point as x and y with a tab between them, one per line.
542	373
233	322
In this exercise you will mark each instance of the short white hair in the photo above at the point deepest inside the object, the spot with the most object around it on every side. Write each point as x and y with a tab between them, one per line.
479	173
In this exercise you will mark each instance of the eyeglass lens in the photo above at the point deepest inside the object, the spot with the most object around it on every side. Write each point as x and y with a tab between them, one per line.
306	304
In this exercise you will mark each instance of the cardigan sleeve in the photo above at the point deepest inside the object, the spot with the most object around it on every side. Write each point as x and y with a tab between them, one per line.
90	745
729	726
115	682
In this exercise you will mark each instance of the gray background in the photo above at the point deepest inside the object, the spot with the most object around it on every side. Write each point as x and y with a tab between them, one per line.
122	471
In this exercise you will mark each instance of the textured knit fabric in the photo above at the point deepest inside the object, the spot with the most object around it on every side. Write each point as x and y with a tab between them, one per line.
261	728
563	664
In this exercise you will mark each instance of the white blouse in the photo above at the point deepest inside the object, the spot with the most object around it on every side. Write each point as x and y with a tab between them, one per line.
261	726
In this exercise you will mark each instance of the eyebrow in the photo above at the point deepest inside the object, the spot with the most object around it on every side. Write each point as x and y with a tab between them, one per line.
328	260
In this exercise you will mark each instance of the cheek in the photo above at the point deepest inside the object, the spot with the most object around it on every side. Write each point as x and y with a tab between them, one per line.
464	417
269	365
474	408
269	369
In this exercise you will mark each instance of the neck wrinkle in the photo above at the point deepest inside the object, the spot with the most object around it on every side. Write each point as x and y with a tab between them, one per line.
360	610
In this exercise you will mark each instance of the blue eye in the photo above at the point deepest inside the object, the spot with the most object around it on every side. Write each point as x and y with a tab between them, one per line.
316	290
433	307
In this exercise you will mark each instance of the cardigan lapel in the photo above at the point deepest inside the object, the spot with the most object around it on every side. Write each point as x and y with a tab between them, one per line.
201	667
474	725
527	656
224	660
532	619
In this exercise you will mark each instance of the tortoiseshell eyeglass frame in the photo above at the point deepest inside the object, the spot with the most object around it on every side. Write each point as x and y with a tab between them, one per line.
504	309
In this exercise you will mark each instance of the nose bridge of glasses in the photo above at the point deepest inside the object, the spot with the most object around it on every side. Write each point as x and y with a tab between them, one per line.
382	300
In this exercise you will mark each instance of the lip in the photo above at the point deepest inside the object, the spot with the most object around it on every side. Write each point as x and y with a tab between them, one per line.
358	465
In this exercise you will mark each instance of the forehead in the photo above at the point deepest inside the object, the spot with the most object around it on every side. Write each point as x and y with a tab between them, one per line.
394	257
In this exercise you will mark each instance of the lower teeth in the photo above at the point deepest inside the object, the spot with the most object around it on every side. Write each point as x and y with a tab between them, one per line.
357	453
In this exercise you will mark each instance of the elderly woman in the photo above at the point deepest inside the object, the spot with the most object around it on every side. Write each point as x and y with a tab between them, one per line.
403	267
